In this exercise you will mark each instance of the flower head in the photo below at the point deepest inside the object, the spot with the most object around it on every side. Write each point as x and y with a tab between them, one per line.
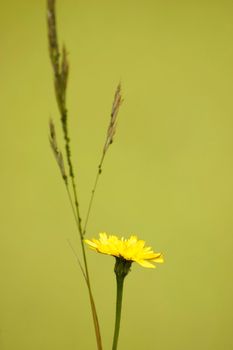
132	249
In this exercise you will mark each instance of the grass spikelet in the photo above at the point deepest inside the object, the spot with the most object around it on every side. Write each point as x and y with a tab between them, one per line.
113	119
108	141
57	153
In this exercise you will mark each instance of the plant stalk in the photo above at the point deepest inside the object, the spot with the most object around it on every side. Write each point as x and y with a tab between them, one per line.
61	69
120	284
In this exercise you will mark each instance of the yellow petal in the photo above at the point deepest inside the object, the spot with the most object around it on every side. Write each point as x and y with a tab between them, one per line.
92	244
159	260
132	249
146	263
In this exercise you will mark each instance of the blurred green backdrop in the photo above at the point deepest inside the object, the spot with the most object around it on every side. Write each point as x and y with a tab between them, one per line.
168	176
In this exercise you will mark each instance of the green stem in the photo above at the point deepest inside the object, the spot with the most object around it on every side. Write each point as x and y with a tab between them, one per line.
60	68
85	271
99	172
120	284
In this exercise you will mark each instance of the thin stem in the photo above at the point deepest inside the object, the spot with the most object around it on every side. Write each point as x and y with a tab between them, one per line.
77	258
108	141
71	203
120	284
99	172
61	70
95	318
94	312
85	271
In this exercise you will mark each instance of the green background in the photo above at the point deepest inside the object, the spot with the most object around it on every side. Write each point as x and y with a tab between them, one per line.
168	176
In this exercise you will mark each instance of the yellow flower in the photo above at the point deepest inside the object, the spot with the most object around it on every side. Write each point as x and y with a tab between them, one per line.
132	249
